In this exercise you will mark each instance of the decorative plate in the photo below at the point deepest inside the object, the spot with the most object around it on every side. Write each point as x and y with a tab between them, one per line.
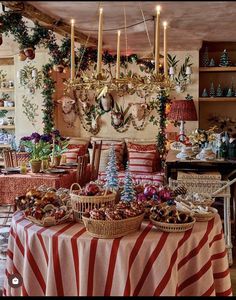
56	171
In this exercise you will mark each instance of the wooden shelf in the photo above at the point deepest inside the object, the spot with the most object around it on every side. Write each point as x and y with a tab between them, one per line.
218	99
217	69
7	108
4	146
7	126
7	90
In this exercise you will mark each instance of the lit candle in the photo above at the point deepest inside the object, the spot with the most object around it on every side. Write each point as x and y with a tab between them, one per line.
157	40
165	49
72	49
118	56
99	56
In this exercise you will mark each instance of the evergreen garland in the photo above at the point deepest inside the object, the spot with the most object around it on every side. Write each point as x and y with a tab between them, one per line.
48	103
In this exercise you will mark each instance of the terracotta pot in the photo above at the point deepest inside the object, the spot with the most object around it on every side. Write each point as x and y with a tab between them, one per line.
1	102
35	165
60	68
57	161
29	52
22	56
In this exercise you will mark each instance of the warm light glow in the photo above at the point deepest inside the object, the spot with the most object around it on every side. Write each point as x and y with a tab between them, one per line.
165	24
118	32
158	8
72	21
101	10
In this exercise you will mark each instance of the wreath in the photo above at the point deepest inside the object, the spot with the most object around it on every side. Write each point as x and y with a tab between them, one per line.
31	78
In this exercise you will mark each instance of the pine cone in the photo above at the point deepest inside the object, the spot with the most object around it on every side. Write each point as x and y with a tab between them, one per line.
180	190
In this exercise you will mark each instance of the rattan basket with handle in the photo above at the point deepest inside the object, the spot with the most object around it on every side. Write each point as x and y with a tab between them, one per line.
106	229
205	217
172	227
80	203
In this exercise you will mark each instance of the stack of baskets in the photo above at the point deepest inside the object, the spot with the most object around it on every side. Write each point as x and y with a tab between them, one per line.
81	203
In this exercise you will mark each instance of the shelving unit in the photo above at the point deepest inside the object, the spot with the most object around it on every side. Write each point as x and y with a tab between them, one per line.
7	65
225	76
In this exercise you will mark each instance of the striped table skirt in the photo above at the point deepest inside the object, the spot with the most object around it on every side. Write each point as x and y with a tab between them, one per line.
64	260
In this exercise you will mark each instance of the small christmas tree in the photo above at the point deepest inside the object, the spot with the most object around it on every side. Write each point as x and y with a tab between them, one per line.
229	93
112	171
128	193
204	93
212	63
224	59
212	90
205	58
219	92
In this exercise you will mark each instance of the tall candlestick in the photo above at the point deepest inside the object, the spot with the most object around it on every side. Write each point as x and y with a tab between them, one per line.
99	56
72	76
165	49
118	56
157	40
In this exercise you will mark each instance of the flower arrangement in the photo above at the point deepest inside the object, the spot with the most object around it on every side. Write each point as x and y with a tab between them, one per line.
42	146
203	137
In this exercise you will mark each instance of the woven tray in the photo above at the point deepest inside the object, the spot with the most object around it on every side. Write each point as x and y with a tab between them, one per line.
51	221
206	217
112	229
170	227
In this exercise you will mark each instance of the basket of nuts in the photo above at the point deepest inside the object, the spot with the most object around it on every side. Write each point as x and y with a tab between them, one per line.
109	222
167	218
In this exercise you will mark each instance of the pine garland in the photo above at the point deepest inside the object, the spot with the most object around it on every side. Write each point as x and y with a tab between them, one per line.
48	103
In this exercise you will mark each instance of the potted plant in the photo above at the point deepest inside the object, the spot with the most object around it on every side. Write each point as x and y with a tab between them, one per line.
39	147
59	146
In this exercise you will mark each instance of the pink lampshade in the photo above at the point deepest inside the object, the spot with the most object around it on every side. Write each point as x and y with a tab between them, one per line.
182	110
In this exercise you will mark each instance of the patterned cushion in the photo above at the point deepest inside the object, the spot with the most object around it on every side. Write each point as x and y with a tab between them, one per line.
156	163
141	162
74	151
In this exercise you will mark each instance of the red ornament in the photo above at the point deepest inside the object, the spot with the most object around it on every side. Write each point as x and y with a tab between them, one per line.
150	190
29	52
1	39
91	189
32	56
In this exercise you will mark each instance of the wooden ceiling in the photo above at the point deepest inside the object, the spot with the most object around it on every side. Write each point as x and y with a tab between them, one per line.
189	22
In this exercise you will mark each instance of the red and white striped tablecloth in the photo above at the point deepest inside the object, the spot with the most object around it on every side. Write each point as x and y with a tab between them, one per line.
65	260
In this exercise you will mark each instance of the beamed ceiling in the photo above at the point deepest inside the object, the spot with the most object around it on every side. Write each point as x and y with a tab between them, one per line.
189	22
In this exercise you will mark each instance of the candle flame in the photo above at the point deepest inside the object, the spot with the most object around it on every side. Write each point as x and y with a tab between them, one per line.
118	32
72	21
101	10
158	8
165	24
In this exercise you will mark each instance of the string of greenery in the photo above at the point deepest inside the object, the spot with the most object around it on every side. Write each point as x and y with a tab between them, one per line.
38	36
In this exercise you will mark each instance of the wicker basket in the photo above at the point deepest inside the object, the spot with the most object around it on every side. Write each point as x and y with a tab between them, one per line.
51	221
80	204
105	229
206	217
170	227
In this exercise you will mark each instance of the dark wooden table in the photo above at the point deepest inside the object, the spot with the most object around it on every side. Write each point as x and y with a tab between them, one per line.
173	165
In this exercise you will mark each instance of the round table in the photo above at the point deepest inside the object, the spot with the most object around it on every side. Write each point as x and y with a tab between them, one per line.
65	260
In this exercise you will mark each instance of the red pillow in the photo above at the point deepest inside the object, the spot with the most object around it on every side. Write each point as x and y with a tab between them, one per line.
74	151
147	148
141	162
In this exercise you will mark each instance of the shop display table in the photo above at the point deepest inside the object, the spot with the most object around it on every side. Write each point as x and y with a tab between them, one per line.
64	260
13	185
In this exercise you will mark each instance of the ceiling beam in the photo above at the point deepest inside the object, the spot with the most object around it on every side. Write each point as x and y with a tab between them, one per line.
57	25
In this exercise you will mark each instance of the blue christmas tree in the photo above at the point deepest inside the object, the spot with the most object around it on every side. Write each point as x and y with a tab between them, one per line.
111	170
128	193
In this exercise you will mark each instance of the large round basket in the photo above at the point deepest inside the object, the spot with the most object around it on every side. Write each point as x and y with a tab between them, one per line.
80	204
170	227
205	217
105	229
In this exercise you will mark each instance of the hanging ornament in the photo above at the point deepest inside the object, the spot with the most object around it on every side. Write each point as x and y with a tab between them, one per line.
21	56
32	56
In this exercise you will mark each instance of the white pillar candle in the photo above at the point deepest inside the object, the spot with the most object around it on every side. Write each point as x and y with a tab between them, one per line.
165	50
118	56
99	56
157	40
72	49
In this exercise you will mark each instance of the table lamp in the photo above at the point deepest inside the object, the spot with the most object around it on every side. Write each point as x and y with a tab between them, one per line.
183	110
